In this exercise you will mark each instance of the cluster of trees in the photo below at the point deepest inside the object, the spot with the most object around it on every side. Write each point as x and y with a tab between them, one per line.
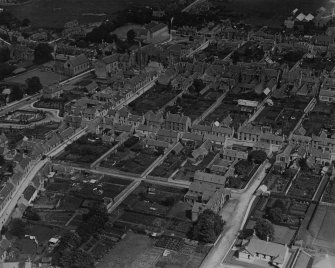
208	227
33	85
68	254
264	229
42	53
276	213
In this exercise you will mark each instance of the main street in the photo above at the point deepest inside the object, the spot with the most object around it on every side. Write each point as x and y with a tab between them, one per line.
7	210
233	224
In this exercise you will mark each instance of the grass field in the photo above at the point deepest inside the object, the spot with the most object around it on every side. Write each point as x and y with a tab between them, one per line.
46	78
50	13
321	232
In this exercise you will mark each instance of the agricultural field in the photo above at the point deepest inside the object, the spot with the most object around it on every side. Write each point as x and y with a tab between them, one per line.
133	156
85	150
153	100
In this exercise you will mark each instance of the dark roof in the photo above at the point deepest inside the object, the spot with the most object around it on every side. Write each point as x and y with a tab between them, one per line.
29	192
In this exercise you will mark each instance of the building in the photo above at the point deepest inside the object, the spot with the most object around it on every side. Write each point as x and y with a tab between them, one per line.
76	65
257	250
177	122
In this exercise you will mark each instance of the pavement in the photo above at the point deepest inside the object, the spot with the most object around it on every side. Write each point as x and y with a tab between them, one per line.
234	221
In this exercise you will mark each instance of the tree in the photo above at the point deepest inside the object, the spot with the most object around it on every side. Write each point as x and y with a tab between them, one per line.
42	53
25	22
5	70
17	228
264	229
16	93
33	85
4	54
258	156
275	215
234	182
2	160
131	36
208	226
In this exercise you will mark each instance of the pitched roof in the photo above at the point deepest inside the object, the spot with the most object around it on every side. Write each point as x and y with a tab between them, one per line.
29	192
192	136
78	60
167	133
209	178
5	191
276	251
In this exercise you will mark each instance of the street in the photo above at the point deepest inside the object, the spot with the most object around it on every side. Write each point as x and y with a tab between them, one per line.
233	224
9	207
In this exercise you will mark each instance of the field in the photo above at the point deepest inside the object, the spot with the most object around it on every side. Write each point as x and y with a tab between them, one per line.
321	231
329	194
55	13
46	78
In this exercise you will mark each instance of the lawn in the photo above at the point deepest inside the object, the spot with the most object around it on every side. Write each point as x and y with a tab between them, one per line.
283	235
128	252
153	100
321	233
47	78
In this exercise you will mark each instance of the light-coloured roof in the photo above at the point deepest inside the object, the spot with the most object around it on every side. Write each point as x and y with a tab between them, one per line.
274	250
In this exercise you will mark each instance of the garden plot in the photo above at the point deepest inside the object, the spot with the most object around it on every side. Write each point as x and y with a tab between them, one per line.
153	100
305	185
194	104
229	107
174	160
277	182
133	156
187	171
85	150
321	117
283	116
